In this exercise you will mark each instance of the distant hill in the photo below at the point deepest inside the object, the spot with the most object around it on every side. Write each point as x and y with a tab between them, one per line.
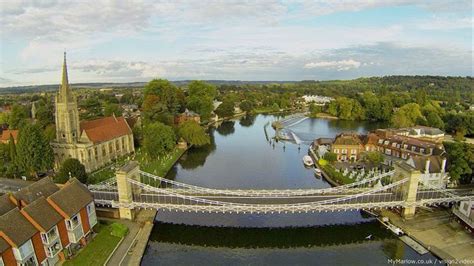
392	82
99	85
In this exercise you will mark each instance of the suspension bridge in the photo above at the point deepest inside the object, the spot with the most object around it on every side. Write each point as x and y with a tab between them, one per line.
134	189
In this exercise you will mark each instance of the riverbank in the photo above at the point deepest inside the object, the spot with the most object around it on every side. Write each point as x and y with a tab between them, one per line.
439	233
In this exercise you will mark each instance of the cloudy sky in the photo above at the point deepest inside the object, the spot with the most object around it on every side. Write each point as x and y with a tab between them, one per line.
121	41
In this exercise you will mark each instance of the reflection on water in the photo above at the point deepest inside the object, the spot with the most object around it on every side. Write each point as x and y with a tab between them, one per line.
239	156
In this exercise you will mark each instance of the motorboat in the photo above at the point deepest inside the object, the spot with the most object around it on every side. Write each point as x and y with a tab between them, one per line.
317	172
307	160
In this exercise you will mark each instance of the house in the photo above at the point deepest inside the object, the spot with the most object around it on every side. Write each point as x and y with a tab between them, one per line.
187	115
347	147
317	99
432	168
5	137
41	220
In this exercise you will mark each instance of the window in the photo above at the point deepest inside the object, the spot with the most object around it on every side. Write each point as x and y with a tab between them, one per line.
422	150
72	223
353	151
90	208
343	151
394	144
413	148
405	146
336	150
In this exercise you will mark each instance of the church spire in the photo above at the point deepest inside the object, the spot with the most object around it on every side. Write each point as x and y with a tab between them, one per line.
64	89
65	82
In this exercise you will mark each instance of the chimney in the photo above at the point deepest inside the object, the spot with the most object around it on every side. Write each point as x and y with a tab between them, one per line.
427	166
443	165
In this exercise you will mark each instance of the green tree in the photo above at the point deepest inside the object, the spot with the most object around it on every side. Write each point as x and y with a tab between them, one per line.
460	159
193	133
12	149
374	157
330	157
158	139
34	153
407	115
246	106
112	109
225	109
44	114
18	116
167	93
201	97
71	168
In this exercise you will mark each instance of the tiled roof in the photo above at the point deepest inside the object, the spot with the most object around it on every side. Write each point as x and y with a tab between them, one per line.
105	129
72	197
5	204
43	213
3	245
347	139
6	135
435	163
16	227
42	188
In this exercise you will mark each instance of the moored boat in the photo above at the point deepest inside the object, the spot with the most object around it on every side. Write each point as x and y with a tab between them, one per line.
317	172
307	160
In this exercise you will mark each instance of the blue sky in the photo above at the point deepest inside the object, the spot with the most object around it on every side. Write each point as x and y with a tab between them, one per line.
122	41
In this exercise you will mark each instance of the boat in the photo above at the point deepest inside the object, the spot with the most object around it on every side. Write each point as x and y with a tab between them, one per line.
385	221
317	172
307	160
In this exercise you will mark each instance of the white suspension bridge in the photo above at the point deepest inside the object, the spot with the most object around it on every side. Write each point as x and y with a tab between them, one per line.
134	189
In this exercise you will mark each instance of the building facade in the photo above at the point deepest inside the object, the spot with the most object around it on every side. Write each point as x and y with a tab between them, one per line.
94	143
41	221
347	147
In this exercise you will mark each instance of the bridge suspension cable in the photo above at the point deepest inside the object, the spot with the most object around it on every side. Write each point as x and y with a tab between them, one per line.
265	193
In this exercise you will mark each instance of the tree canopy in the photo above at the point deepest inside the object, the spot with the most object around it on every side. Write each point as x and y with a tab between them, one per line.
193	133
158	139
71	168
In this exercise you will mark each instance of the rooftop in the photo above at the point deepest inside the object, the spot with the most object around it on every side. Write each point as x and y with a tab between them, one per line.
16	227
42	188
105	129
43	214
72	197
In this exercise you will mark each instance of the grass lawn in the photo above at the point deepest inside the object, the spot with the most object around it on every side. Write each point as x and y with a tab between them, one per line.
99	249
160	166
335	175
101	175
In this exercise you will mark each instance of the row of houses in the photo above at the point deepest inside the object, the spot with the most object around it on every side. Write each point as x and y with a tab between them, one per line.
418	146
43	223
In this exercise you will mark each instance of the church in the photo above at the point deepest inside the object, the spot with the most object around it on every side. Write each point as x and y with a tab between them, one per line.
94	143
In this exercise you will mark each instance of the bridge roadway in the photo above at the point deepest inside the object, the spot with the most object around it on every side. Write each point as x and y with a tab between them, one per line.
168	197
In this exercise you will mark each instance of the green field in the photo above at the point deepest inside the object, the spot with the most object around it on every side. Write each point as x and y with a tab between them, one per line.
159	166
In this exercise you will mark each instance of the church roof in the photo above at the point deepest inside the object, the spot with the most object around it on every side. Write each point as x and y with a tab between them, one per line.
105	129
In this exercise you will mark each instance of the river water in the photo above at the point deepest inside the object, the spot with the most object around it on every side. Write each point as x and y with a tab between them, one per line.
240	156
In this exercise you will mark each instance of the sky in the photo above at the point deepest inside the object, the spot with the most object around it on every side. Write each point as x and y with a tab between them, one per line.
125	41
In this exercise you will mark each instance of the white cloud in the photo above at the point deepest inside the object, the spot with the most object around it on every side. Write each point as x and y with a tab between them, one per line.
338	65
443	23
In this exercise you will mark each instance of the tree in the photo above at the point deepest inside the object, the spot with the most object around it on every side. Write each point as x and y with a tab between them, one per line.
167	94
201	97
407	115
460	160
374	157
246	106
71	168
193	133
12	149
330	157
112	109
225	109
18	116
34	153
158	139
44	114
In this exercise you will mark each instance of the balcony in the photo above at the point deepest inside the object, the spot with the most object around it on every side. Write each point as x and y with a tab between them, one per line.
75	234
50	237
53	249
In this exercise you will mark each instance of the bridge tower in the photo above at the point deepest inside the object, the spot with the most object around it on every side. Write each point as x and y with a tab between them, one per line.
410	188
125	190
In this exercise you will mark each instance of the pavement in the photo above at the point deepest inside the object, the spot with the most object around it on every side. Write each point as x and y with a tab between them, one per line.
133	246
438	232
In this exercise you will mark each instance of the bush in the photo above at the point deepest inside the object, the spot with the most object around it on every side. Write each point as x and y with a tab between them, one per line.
119	230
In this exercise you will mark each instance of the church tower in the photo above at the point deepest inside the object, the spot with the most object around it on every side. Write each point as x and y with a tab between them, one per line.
67	114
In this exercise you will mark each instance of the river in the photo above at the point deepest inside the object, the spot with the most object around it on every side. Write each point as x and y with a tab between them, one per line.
240	156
